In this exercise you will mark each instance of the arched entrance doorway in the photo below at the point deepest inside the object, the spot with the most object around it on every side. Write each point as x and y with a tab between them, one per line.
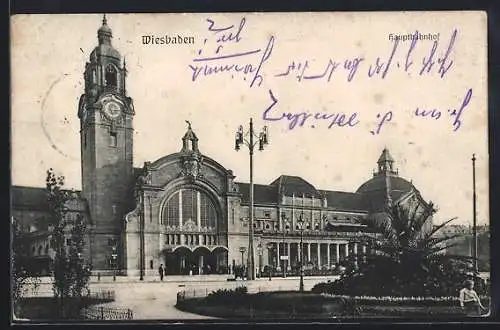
183	261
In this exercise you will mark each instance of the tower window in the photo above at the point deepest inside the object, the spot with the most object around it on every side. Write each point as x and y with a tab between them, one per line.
113	139
111	76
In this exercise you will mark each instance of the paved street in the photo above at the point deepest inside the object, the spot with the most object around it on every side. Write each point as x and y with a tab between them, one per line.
152	299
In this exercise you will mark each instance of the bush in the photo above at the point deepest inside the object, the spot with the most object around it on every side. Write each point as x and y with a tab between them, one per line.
228	296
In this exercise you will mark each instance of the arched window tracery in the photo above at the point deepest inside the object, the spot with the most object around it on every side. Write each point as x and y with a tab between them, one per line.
191	206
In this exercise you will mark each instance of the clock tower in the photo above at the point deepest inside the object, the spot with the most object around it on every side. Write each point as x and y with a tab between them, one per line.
106	133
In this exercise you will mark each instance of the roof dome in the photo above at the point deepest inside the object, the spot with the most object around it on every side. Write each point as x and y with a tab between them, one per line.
385	186
379	182
378	189
104	29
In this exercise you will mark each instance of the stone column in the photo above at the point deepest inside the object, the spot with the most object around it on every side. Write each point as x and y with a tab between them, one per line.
328	255
278	261
337	252
355	250
289	262
200	265
347	250
364	253
198	210
180	216
319	254
308	252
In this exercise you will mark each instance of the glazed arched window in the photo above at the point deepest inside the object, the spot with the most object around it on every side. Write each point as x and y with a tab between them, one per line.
111	76
190	204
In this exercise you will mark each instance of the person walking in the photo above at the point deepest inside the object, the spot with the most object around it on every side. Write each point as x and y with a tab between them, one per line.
469	300
161	271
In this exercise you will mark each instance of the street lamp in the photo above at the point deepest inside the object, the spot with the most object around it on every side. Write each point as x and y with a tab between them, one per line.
300	224
114	257
269	248
262	140
286	226
474	215
259	252
242	251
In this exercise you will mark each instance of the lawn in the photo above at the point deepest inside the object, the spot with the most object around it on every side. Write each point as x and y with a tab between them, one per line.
296	305
48	308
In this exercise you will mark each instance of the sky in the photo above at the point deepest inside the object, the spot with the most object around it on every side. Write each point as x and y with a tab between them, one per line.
169	84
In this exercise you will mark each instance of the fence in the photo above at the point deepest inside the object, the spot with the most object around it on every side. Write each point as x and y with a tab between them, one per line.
106	295
106	313
203	292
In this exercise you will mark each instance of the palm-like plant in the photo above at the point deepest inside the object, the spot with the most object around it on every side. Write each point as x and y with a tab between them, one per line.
409	259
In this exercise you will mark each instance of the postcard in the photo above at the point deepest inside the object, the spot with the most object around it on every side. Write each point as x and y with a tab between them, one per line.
264	166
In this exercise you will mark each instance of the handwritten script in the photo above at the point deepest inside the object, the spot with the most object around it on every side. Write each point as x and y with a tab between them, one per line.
252	65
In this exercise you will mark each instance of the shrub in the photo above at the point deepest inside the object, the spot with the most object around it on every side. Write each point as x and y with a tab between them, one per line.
228	296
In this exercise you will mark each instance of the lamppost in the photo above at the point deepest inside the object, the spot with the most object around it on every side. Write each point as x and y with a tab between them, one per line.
259	252
269	248
114	257
286	226
242	251
262	140
474	214
300	224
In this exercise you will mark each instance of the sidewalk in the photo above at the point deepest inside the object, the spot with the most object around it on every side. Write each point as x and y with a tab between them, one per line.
188	278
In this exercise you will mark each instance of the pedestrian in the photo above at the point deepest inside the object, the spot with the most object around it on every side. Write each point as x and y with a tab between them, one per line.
161	271
469	300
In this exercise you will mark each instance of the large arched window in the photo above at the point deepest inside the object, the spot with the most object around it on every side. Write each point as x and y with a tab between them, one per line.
191	206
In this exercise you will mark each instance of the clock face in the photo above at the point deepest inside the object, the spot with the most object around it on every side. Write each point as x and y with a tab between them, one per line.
112	109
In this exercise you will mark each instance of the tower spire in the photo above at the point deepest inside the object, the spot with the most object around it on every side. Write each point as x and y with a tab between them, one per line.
104	33
385	163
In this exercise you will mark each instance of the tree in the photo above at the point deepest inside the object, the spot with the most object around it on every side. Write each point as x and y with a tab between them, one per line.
71	275
409	258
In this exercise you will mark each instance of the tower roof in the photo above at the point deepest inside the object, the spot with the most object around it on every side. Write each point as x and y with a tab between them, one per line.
190	141
104	36
385	157
104	30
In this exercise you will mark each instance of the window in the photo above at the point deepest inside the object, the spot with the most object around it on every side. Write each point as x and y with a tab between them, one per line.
267	214
110	76
113	139
151	264
68	241
190	206
267	226
113	207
